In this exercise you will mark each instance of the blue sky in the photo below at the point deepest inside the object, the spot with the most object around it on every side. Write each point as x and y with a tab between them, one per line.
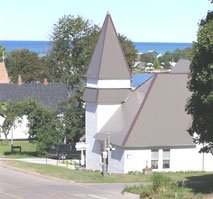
139	20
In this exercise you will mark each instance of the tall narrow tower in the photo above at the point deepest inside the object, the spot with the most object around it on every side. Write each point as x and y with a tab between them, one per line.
108	85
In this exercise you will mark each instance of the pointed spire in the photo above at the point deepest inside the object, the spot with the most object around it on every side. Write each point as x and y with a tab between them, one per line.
108	60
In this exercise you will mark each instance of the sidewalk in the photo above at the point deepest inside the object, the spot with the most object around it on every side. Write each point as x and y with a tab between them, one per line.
54	162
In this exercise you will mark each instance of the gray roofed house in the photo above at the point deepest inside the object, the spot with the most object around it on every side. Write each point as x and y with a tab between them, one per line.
51	95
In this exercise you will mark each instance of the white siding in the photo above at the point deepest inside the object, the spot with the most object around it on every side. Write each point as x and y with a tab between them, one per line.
116	160
104	113
96	117
93	83
136	160
190	160
183	159
93	148
18	131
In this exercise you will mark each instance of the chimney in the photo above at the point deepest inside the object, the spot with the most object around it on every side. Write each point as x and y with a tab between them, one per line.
19	82
45	81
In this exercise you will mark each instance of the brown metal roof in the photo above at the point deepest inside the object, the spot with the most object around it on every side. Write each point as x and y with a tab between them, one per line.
153	116
106	96
182	66
108	60
3	74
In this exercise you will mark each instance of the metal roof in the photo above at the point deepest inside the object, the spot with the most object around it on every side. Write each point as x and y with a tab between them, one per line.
106	96
182	66
153	115
121	121
108	60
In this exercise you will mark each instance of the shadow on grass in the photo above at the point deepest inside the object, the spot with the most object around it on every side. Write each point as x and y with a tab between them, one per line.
23	153
200	184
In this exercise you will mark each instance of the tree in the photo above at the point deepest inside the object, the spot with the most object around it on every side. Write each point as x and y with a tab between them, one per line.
200	105
44	125
129	49
73	41
2	50
73	118
25	63
175	56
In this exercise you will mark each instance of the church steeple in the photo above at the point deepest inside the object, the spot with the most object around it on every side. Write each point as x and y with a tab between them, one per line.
108	85
108	60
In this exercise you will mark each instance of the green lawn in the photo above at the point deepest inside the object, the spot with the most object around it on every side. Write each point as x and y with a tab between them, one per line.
193	178
78	175
28	149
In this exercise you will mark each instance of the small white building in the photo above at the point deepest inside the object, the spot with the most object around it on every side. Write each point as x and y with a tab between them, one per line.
147	126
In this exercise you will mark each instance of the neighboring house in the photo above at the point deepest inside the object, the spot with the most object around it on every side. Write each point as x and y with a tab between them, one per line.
50	95
147	126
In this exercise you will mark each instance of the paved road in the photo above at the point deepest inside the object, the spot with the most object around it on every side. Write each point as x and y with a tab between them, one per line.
20	185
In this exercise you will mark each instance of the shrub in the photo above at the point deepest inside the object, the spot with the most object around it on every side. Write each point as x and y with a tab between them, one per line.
159	181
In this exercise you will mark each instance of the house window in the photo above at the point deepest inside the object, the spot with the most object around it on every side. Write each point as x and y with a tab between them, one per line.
166	158
154	159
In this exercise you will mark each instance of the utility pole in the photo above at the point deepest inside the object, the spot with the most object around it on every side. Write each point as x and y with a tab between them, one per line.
104	155
108	151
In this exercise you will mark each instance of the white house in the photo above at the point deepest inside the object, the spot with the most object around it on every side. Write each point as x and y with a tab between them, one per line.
146	126
51	95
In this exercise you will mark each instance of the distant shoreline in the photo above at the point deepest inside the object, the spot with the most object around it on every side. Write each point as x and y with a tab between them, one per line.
42	47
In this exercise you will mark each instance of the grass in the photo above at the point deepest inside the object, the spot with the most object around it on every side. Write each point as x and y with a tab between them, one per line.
78	175
27	149
164	185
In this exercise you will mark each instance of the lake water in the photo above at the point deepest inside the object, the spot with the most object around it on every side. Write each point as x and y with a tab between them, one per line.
42	47
139	78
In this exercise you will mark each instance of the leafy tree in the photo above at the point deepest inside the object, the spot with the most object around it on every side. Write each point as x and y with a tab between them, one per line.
44	125
3	108
2	50
129	49
149	57
73	121
175	56
200	105
73	41
25	63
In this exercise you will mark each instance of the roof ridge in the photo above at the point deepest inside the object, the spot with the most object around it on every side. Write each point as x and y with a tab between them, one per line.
103	44
139	110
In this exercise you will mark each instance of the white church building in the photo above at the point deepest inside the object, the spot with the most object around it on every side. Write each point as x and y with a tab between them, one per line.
146	127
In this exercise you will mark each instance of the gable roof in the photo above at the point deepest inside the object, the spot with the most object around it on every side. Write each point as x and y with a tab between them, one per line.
155	118
108	60
3	74
182	66
50	95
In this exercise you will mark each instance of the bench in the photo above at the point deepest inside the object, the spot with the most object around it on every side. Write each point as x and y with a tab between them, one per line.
15	149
